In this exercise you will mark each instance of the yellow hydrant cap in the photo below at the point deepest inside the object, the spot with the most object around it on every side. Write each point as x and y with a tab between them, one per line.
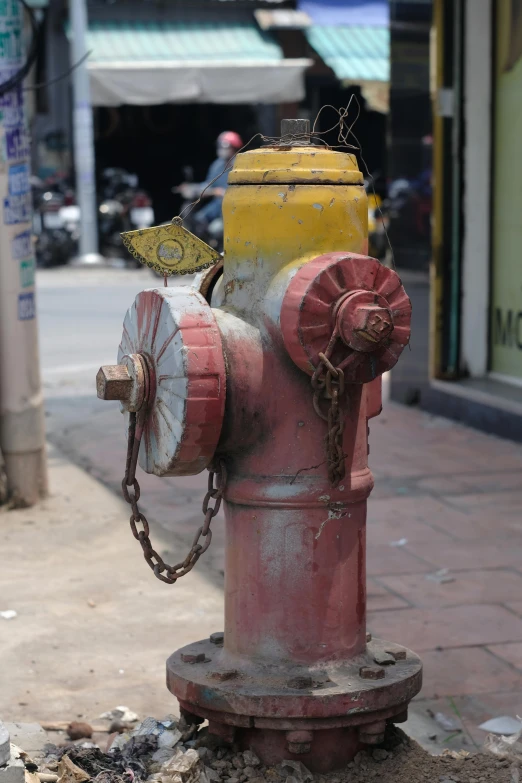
313	165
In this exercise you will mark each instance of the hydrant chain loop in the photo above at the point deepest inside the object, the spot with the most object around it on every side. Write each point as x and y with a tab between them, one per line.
154	560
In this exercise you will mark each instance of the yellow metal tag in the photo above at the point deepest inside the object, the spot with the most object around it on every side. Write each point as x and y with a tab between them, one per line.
170	249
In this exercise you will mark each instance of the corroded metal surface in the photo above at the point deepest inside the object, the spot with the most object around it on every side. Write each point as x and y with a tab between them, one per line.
176	332
295	674
268	689
113	382
170	249
353	298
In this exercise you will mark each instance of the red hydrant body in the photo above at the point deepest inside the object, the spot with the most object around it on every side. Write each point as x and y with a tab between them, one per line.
302	326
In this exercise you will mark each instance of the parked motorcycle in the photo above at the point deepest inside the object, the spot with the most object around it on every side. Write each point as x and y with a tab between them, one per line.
124	207
55	222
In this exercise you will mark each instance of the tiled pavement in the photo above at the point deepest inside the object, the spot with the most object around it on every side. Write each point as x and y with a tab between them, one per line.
452	498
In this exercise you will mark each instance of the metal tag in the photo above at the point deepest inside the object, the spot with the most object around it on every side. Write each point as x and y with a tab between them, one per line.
170	249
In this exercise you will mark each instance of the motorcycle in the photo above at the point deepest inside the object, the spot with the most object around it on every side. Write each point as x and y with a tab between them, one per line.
190	191
55	222
124	207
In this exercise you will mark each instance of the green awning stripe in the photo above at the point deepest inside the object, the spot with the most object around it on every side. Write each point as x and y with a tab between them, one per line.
354	53
114	41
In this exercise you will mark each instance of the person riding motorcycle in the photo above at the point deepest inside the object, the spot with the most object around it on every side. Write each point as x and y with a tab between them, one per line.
227	145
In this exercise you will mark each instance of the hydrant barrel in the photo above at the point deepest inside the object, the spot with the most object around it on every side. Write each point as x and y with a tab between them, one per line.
308	323
268	371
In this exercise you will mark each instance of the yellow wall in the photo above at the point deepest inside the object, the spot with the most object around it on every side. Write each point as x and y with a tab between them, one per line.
506	310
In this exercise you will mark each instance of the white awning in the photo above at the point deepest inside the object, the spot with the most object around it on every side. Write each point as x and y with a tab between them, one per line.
152	82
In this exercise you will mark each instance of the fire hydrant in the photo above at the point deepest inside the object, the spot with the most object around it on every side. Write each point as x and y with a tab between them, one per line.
266	371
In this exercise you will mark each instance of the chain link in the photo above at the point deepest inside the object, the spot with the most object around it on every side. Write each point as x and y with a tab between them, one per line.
164	571
328	384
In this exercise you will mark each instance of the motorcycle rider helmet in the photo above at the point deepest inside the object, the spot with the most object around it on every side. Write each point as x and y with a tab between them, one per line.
228	143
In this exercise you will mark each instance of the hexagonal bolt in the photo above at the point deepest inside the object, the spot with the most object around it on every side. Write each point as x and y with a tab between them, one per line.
399	655
372	672
372	733
370	739
402	717
113	382
193	657
384	658
299	742
217	638
364	324
223	730
227	674
300	682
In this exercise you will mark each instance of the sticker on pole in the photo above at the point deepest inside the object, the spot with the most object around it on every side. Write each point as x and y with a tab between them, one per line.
170	249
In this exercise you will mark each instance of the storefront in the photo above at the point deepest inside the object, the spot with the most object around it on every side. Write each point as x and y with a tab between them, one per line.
506	288
476	279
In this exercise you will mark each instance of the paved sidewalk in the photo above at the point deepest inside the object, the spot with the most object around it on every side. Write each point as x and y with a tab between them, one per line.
446	497
93	627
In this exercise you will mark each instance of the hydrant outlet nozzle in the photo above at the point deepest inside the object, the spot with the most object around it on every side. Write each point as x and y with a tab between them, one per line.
113	382
127	382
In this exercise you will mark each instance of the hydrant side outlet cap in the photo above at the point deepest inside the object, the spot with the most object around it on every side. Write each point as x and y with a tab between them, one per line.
361	299
176	332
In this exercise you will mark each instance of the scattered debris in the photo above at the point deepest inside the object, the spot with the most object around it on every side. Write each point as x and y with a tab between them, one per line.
446	722
456	754
400	542
77	730
199	757
506	747
69	772
8	614
52	726
442	576
504	724
298	770
182	768
122	713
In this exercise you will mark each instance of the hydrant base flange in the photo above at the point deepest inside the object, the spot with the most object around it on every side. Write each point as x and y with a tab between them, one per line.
246	691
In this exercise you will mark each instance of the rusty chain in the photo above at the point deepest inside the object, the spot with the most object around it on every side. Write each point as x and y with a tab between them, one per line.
164	571
328	384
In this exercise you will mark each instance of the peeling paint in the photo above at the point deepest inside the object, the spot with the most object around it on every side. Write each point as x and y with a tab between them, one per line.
318	206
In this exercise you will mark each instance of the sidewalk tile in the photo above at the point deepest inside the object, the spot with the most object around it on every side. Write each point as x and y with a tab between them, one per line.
378	598
385	559
512	653
420	508
505	703
497	553
494	586
401	526
496	501
515	606
473	625
466	671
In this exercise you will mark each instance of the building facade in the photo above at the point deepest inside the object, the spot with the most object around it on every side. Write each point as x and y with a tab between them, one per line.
475	342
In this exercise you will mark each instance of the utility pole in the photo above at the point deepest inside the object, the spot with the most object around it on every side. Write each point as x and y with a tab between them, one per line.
22	435
83	137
